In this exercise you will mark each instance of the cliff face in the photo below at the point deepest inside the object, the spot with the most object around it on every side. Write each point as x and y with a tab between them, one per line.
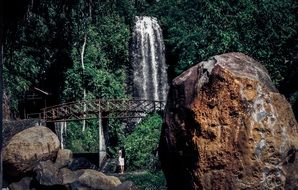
227	127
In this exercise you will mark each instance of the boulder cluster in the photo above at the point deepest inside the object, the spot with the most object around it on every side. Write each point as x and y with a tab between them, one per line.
32	160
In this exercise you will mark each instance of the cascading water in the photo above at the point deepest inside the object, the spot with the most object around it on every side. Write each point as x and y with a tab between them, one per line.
149	67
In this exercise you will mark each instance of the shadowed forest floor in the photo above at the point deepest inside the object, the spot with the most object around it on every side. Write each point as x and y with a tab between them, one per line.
144	179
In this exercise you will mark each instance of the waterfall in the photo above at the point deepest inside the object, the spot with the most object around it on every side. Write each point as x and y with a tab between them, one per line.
148	67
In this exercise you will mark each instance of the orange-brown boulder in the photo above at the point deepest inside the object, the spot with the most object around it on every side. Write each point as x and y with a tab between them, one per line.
227	127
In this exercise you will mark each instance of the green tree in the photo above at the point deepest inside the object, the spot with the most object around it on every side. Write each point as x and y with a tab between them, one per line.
106	54
196	30
79	141
141	145
36	49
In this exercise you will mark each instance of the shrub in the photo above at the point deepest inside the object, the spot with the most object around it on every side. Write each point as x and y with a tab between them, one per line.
79	141
148	180
141	145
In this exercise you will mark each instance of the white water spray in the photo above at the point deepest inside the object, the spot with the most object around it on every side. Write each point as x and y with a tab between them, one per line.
149	68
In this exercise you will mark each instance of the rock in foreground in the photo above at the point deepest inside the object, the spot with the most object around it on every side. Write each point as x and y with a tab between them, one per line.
64	158
23	184
28	147
47	173
227	127
92	179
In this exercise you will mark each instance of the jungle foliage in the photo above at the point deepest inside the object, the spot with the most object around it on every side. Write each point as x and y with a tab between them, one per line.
81	142
142	144
47	43
50	45
44	50
197	30
148	180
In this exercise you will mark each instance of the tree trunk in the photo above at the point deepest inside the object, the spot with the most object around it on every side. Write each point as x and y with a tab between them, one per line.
84	90
1	102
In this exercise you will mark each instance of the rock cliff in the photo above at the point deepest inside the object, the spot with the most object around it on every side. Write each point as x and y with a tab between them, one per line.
227	127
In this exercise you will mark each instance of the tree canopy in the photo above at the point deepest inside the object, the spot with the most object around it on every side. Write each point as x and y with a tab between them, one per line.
81	49
45	49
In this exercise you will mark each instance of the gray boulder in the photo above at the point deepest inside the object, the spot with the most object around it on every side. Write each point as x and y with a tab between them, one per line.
47	173
64	158
92	179
25	149
67	176
127	185
23	184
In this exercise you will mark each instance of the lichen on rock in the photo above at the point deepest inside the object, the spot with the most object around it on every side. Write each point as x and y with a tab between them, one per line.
227	127
28	147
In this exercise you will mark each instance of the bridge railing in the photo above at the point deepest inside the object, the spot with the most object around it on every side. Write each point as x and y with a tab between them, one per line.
116	108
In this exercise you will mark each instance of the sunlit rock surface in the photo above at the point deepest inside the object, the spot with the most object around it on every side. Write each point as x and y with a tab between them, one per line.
25	149
227	127
64	158
92	179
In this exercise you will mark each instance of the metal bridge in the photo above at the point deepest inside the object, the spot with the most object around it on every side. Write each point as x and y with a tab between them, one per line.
99	108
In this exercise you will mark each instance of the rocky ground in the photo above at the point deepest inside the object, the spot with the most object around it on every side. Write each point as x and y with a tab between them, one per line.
33	160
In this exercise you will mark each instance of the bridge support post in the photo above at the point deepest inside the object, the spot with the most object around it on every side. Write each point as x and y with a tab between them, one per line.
101	139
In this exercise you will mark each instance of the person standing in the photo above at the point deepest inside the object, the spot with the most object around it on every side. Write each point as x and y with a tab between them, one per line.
121	160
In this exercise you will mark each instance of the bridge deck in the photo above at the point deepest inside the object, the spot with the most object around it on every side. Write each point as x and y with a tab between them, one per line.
90	109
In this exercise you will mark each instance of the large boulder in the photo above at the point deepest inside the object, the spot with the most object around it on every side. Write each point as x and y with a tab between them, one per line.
28	147
12	127
67	176
92	179
64	158
47	174
227	127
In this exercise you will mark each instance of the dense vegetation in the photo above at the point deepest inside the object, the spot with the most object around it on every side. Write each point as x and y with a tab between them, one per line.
78	141
142	144
148	180
80	49
45	48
